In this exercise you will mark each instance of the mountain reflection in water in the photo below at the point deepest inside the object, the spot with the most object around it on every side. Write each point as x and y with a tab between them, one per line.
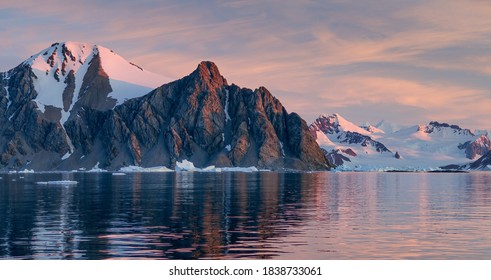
229	215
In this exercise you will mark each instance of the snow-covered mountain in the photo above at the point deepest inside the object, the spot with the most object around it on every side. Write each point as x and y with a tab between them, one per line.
347	144
390	147
388	127
62	69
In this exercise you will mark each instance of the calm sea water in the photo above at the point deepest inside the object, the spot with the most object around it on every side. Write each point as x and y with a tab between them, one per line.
246	215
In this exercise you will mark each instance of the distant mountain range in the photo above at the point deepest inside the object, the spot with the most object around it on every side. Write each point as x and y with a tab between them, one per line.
82	106
386	146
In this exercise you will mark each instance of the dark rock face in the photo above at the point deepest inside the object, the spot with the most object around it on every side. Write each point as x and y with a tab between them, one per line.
91	109
365	141
435	126
205	120
483	162
326	124
200	118
349	152
26	130
95	88
336	157
69	91
476	148
302	144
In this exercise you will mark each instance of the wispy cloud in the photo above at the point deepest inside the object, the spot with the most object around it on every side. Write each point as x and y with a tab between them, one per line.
367	59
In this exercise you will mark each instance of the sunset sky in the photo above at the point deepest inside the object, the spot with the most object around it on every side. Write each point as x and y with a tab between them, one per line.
407	61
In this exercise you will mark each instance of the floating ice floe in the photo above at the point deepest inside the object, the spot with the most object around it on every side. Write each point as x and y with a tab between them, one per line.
133	168
62	182
27	171
21	171
367	168
118	174
186	166
239	169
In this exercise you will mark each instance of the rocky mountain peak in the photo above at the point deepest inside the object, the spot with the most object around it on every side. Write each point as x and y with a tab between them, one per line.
435	126
335	123
203	119
208	76
326	123
61	58
476	148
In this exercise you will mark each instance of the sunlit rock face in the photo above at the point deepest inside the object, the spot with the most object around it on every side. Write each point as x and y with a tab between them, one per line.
203	119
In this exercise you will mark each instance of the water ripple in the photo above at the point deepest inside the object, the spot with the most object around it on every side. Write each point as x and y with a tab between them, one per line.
246	216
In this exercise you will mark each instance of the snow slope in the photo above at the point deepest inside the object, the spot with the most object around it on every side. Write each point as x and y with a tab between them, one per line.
388	127
336	123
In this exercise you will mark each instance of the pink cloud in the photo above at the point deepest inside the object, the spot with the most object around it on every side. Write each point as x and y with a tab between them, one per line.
297	49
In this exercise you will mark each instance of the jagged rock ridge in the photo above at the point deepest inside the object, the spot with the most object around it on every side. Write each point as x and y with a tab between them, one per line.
205	120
